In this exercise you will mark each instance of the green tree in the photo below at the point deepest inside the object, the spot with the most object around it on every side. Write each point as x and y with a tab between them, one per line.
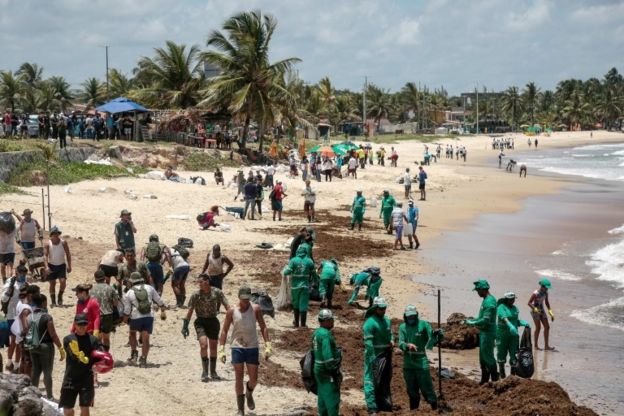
248	81
411	98
61	92
380	104
171	79
30	74
119	84
92	92
530	99
512	105
10	89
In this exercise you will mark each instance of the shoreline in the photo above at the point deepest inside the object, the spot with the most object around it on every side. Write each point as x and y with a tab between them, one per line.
458	195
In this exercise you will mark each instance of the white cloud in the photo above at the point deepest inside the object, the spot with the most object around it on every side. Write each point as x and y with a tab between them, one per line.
599	14
534	15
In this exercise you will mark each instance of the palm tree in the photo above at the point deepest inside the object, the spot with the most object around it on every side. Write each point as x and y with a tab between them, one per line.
292	111
61	91
530	97
30	74
92	92
411	97
576	110
10	89
609	106
119	84
327	95
172	79
512	105
379	104
248	80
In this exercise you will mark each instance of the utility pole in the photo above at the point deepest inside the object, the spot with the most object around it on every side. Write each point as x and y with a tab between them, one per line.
107	94
477	89
364	104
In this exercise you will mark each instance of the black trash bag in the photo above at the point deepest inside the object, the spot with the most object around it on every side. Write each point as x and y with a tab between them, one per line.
382	376
524	363
185	242
7	222
307	371
265	302
315	294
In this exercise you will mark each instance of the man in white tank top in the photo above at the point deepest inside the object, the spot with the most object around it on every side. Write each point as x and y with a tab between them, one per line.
213	267
245	349
57	260
29	229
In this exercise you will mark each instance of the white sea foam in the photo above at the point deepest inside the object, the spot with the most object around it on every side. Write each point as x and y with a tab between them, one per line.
608	263
558	253
558	274
607	314
617	230
618	153
593	173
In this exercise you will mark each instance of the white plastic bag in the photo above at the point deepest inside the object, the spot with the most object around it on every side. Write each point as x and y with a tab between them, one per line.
283	300
224	227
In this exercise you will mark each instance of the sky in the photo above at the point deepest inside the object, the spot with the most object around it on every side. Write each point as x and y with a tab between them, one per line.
456	44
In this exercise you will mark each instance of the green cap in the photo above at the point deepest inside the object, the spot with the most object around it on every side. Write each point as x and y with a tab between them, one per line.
546	283
325	315
244	292
135	277
380	302
410	310
481	284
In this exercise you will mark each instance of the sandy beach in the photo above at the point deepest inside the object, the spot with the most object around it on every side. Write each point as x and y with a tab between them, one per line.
457	193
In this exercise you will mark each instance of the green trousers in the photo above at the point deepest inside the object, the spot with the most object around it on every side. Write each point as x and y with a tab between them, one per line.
326	289
328	396
506	343
387	215
417	381
369	386
486	351
358	216
300	298
354	295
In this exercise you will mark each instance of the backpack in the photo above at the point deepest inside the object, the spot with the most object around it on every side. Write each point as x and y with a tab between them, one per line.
32	340
153	251
272	195
144	305
185	242
184	253
307	371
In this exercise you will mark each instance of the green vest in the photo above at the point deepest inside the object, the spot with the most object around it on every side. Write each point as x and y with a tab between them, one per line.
486	321
511	313
301	270
377	335
329	270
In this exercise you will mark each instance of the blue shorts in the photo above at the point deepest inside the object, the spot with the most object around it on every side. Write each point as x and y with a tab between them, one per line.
181	273
57	272
245	356
156	271
399	231
28	245
142	324
8	258
4	333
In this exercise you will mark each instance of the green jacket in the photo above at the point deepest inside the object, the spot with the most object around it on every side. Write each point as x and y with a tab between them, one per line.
377	335
421	335
387	203
486	321
326	356
329	271
301	268
510	313
359	203
372	287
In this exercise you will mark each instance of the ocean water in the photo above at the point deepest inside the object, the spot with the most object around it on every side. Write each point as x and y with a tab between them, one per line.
600	161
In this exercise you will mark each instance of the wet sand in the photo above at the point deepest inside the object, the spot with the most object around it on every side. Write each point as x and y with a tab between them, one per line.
507	249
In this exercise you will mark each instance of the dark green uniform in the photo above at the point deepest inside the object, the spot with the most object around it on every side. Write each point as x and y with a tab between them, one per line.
387	204
506	341
486	322
377	338
330	275
415	363
301	270
358	208
326	372
372	283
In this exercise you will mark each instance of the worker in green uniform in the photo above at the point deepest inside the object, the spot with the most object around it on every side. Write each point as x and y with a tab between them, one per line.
507	338
371	279
387	205
327	358
415	337
486	323
329	276
358	207
302	271
378	341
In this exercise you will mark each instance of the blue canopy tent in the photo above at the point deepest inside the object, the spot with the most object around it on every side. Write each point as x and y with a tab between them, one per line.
123	105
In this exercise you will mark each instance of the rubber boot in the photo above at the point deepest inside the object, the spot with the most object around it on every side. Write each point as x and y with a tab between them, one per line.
513	370
352	225
296	321
249	395
183	297
304	315
494	375
434	405
133	357
329	303
60	299
485	375
213	369
53	298
240	401
501	370
360	227
204	375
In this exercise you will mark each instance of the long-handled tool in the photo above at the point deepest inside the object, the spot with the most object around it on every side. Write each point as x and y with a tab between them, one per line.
440	395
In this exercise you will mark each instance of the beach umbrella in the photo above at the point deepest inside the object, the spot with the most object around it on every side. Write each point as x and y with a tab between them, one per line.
315	149
348	145
324	150
340	149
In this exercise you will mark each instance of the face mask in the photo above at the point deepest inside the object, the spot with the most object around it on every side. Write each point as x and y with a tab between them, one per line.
411	321
21	279
82	301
